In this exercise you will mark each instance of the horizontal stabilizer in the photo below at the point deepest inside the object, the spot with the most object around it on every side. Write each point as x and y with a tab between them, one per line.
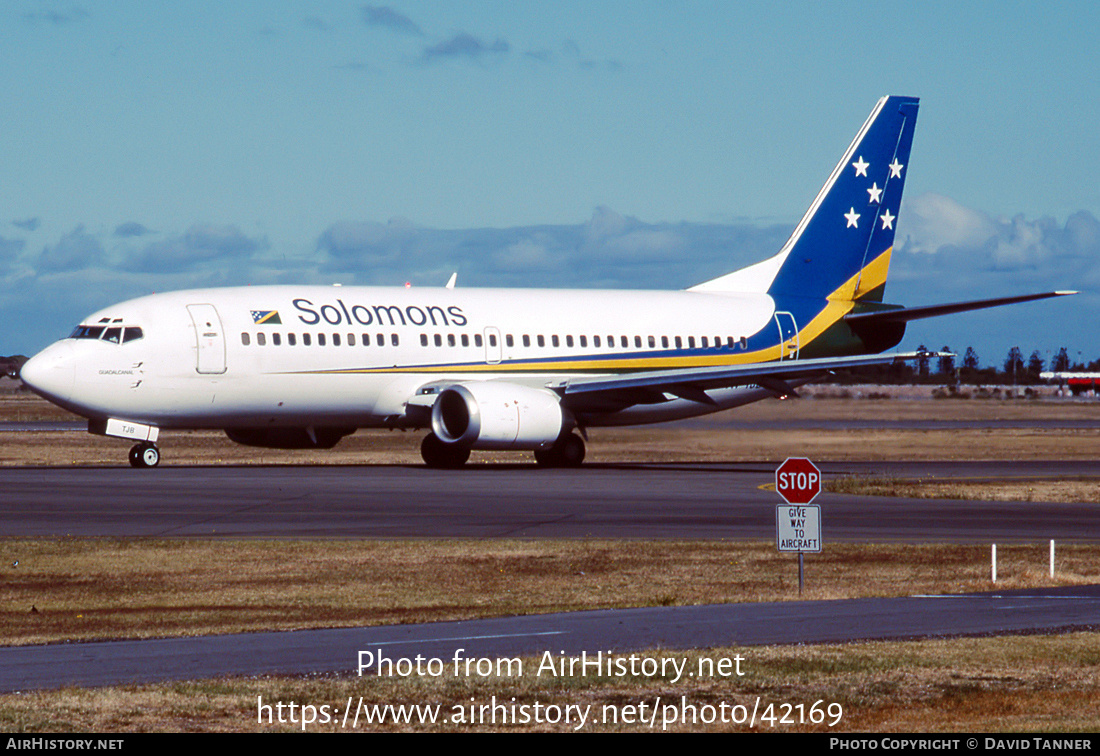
905	314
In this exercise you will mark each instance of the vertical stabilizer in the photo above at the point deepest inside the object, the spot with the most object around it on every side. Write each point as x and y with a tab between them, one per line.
841	247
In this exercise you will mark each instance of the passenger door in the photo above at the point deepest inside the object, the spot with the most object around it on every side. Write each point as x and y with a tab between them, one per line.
209	338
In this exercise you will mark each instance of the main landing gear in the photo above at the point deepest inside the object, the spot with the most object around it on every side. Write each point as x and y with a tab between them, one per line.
144	455
441	456
567	451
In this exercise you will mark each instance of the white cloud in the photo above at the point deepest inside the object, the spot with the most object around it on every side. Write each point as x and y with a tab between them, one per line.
932	221
958	237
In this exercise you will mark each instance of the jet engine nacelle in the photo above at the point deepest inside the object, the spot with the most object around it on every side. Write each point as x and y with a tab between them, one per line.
497	415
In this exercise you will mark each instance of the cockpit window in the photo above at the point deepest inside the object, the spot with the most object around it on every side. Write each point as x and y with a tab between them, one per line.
113	334
87	332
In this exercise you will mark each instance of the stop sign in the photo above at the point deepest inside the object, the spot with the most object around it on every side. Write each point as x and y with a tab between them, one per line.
798	480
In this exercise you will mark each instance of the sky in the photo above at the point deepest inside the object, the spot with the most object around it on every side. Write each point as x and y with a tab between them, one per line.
158	146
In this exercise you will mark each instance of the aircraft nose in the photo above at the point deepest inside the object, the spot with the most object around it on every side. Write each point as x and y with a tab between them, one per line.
51	373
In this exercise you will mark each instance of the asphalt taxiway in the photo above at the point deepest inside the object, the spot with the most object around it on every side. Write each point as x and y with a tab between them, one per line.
620	631
517	501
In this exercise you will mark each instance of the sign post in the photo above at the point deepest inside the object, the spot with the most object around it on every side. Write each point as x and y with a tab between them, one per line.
798	522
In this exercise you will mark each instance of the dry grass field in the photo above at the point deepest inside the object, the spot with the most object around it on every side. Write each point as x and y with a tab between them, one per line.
99	588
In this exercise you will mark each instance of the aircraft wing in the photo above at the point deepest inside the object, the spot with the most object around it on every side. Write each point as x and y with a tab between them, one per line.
651	386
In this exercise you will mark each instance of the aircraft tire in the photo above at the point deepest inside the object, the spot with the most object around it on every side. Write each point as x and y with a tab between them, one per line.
144	455
567	451
440	456
571	451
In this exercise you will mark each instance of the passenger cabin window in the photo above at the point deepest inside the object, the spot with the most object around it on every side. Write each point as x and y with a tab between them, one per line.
276	339
244	338
261	339
291	339
320	339
306	339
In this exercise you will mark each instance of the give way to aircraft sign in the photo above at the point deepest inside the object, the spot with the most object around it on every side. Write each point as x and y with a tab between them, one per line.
798	523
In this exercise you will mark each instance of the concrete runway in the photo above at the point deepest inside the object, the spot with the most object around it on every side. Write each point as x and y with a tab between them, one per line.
510	501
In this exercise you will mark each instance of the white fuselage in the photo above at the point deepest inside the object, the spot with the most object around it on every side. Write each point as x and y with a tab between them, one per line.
355	356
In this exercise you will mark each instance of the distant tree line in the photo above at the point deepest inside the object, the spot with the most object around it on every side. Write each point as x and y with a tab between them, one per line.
11	365
948	368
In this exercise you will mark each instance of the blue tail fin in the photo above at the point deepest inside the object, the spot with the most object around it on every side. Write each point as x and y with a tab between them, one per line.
840	250
841	247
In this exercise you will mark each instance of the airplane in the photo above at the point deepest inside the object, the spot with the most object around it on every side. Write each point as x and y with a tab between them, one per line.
505	369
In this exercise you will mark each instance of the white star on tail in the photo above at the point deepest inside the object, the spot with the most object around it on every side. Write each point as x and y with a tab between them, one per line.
853	218
875	192
860	166
895	169
887	220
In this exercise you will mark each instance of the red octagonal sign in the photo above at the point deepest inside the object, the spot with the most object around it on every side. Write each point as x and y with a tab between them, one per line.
798	480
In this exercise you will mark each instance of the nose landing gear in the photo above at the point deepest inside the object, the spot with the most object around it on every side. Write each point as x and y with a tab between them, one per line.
144	455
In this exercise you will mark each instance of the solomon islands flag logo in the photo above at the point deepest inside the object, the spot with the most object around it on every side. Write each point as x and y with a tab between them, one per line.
266	317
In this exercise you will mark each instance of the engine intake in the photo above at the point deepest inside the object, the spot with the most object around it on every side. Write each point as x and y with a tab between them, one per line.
497	415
